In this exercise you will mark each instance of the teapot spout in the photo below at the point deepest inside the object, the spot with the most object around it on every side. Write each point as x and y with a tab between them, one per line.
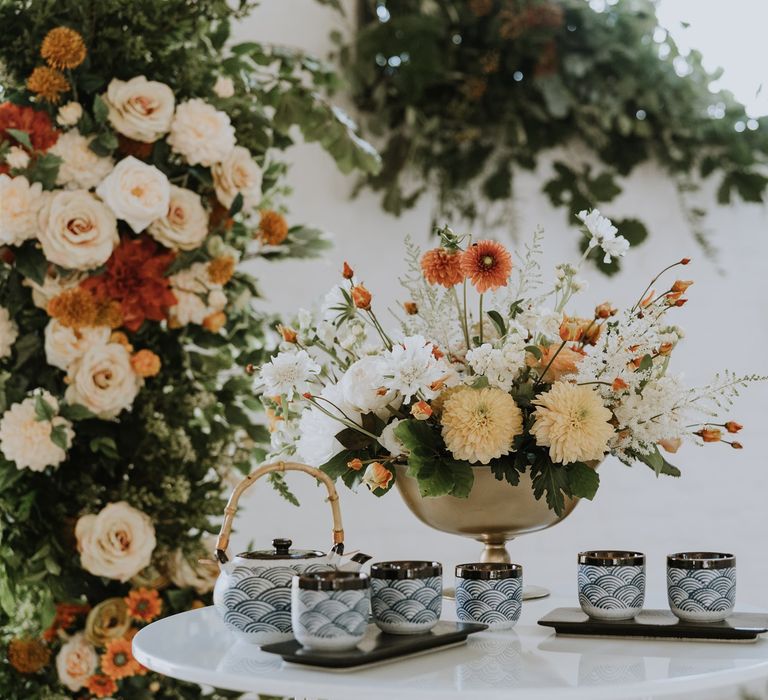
355	562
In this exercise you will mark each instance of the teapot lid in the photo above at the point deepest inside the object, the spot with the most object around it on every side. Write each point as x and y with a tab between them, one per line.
282	550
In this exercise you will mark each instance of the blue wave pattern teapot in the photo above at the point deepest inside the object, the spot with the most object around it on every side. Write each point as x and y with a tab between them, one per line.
253	591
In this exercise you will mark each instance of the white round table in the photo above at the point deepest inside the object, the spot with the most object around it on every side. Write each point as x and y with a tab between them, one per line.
528	662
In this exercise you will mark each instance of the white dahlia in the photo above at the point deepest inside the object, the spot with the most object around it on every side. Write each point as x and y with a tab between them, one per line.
9	331
200	133
80	167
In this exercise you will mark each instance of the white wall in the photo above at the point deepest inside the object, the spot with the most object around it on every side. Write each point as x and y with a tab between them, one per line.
719	503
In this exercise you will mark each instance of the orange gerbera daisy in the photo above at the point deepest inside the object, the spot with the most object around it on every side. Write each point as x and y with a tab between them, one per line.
117	660
441	266
101	686
487	264
144	604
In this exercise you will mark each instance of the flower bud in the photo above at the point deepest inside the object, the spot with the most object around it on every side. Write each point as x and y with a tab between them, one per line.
737	445
681	285
347	271
377	476
733	426
421	410
685	261
411	308
709	434
671	445
289	335
361	297
605	310
355	464
619	384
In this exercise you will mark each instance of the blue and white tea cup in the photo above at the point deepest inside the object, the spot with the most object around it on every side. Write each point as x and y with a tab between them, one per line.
701	586
611	584
490	593
406	596
330	609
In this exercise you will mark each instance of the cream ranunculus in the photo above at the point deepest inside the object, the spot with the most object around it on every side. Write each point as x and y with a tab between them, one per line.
77	231
19	204
140	109
136	192
76	662
238	172
69	114
185	225
202	134
117	542
81	168
64	345
103	380
9	331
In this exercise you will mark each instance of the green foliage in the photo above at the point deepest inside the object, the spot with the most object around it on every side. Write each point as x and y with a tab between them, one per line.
463	98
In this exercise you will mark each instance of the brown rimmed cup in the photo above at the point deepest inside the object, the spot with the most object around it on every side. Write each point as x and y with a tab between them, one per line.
701	586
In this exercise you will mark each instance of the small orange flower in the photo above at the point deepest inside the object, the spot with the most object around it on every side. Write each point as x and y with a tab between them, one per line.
709	434
619	384
733	427
411	308
672	445
146	363
605	310
48	83
144	604
347	272
355	464
736	445
28	655
122	339
221	269
421	410
361	297
666	348
584	330
487	264
74	308
685	261
273	228
63	48
443	267
647	299
215	321
289	335
681	285
101	686
117	660
377	476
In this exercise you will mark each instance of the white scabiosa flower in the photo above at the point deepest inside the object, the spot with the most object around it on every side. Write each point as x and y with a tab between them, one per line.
411	367
289	373
9	331
603	233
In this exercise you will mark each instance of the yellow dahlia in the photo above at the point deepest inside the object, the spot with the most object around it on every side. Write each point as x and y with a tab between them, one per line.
63	48
480	424
573	422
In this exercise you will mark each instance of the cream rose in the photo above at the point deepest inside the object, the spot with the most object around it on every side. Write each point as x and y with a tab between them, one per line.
140	109
69	114
238	172
76	662
185	572
9	331
77	231
136	192
185	224
201	133
117	542
64	345
19	204
103	380
80	168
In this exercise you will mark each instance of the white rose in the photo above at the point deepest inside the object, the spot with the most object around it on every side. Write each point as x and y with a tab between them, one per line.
196	296
117	542
224	87
19	204
80	168
140	109
201	133
136	192
76	662
389	441
238	172
26	440
185	224
185	572
103	380
69	114
77	231
9	331
361	383
64	345
17	157
55	283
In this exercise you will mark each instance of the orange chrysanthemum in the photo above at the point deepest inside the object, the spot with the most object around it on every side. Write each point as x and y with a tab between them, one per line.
101	686
146	363
144	604
487	264
28	655
441	266
74	308
117	660
63	48
34	122
221	269
273	228
48	83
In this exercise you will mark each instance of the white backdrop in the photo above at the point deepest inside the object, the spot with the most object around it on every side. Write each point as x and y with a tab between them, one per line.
719	503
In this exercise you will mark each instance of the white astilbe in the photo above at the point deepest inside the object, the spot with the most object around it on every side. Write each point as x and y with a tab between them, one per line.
500	366
719	395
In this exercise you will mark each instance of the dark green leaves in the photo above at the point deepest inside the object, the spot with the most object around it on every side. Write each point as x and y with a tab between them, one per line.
100	110
31	262
44	412
656	461
556	482
21	136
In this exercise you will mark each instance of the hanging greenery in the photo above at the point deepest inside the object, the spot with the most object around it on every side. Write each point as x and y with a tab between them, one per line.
465	93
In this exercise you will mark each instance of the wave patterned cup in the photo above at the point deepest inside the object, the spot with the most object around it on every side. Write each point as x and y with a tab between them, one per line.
406	596
701	586
489	593
330	610
611	584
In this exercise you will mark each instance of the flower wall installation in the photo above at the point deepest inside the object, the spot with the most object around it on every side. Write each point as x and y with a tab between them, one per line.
137	171
488	366
466	94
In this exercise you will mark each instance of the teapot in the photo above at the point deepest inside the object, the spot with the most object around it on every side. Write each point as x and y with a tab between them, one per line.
253	591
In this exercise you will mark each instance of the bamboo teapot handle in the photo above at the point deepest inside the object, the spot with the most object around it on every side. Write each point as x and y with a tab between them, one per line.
222	541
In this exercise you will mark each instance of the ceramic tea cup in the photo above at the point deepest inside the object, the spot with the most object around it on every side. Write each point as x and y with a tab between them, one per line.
611	584
701	586
489	593
406	596
330	609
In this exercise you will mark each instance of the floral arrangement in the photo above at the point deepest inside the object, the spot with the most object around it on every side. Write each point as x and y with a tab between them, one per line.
464	93
488	367
126	206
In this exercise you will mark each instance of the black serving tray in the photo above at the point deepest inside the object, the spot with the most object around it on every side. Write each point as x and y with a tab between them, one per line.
656	624
376	646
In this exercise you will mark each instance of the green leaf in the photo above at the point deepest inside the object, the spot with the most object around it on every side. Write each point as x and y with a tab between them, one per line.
337	465
59	437
100	110
104	445
44	412
31	262
75	412
535	351
463	478
21	136
418	436
551	481
104	143
237	204
584	481
656	461
498	321
506	469
353	439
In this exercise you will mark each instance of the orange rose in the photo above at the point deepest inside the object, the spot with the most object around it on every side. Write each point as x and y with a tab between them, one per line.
377	476
421	410
146	363
361	297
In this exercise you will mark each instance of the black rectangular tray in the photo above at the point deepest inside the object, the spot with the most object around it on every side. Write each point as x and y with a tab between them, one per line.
376	646
655	624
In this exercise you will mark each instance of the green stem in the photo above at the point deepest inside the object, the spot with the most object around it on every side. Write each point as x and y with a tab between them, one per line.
481	319
460	314
344	421
466	318
549	364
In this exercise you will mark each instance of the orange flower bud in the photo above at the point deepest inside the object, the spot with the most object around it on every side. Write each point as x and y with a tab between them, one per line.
215	322
619	384
437	353
307	395
347	272
709	434
421	410
382	391
737	445
377	476
666	348
361	297
581	329
411	308
647	299
685	261
733	426
146	363
681	285
250	368
672	445
605	310
289	335
355	464
680	302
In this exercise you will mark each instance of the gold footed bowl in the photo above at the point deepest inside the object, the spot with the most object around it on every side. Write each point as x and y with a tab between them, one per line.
494	513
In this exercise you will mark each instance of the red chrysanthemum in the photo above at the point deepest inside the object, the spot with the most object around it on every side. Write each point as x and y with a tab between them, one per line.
135	278
487	264
32	121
